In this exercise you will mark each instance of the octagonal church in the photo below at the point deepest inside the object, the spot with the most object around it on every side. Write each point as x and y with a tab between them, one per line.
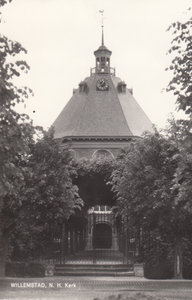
100	119
102	115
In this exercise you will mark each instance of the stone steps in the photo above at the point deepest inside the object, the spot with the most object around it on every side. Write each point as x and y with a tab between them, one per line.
93	270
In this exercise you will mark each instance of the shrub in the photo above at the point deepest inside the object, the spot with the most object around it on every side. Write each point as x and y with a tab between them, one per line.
34	270
187	271
15	269
24	269
161	270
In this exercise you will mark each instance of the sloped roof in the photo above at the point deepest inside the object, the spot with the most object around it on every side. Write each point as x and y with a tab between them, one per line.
101	113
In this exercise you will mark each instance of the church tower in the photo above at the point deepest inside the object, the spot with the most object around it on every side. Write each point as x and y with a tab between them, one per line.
102	116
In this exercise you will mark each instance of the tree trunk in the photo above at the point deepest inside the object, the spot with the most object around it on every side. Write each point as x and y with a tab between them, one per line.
3	252
63	238
178	261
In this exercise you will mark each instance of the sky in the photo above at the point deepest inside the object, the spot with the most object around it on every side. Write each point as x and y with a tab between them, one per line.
61	35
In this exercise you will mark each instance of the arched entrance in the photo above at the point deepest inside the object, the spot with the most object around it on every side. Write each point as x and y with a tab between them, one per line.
102	236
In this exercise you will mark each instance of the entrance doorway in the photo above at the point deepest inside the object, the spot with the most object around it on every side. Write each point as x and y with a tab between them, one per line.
102	236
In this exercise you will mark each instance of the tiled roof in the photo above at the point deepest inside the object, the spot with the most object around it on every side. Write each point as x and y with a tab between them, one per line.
101	113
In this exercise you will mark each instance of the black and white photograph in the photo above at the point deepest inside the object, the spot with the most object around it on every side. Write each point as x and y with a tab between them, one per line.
96	149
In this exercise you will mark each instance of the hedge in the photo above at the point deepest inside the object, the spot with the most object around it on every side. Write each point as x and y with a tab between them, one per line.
160	270
24	269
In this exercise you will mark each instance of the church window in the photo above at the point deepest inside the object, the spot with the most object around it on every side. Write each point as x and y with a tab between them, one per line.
102	153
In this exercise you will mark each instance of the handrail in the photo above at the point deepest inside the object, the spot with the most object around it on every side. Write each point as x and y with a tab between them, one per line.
94	71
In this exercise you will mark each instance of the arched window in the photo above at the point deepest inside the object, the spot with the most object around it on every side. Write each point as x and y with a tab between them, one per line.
102	153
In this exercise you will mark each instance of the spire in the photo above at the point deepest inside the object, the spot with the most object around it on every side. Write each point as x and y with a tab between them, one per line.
102	54
102	26
102	40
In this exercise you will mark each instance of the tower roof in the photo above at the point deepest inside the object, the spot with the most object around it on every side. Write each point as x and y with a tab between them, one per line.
102	106
101	113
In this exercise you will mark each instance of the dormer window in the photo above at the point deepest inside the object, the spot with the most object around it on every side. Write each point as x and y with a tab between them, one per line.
130	91
83	87
121	87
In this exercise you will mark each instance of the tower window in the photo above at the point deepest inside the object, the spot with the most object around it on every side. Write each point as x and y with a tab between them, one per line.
98	62
102	64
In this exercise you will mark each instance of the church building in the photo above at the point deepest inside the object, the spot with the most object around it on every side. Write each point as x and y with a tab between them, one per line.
100	119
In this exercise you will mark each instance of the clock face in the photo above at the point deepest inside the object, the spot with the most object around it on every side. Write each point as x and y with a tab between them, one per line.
102	84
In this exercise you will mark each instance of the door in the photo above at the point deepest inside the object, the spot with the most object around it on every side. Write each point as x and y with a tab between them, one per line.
102	236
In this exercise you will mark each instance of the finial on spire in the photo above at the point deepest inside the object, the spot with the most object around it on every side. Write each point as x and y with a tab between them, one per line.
102	26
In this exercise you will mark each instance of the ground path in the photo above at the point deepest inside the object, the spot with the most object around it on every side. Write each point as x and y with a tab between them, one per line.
77	288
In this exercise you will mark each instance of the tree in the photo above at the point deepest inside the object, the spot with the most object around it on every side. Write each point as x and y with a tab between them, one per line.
16	132
181	65
35	183
181	130
181	85
48	197
143	181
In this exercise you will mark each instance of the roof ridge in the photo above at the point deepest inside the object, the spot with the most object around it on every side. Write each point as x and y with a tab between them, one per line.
120	105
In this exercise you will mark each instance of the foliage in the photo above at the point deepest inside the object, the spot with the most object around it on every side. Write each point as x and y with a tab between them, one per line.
159	270
153	177
3	2
181	66
36	189
181	85
16	134
144	183
181	138
141	179
16	130
93	181
180	131
24	269
101	165
48	197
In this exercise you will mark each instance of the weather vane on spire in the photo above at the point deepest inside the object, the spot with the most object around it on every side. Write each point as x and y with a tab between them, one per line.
102	25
